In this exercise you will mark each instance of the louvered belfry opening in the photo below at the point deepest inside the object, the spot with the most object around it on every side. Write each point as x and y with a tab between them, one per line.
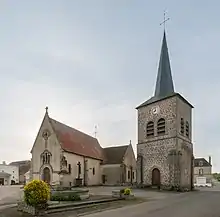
182	126
187	129
161	127
150	129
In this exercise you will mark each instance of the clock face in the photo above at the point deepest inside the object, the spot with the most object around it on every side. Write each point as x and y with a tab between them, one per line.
155	110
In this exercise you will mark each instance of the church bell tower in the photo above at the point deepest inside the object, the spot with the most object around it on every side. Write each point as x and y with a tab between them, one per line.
164	149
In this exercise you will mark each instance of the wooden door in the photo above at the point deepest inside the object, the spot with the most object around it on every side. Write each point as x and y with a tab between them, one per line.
46	175
156	177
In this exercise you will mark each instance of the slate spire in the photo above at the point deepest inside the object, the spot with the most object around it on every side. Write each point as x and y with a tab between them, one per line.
164	83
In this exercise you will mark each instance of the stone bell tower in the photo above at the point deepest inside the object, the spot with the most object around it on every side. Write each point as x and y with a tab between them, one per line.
164	149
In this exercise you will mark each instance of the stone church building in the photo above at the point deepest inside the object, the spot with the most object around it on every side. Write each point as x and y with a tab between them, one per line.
165	149
62	155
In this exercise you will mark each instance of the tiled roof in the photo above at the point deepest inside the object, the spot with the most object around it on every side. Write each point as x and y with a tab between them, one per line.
77	142
114	155
205	163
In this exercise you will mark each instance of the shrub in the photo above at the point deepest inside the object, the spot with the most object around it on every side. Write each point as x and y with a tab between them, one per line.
65	197
125	191
36	192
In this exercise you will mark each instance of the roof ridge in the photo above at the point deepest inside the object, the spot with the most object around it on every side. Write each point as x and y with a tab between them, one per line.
117	146
72	128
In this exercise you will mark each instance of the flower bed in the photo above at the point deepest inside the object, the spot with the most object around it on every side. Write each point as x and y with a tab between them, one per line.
69	195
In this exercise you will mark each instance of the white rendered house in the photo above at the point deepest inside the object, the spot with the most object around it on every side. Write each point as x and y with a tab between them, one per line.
9	175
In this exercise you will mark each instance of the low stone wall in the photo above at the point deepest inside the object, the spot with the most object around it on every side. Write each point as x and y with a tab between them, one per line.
116	194
83	193
23	207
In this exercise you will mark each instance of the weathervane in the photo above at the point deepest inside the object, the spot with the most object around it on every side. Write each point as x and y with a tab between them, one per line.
164	19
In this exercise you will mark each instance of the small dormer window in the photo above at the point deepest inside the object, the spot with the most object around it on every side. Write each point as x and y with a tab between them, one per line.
200	163
182	126
150	129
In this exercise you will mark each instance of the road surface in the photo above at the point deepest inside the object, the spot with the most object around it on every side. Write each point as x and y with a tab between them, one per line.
9	194
193	204
204	203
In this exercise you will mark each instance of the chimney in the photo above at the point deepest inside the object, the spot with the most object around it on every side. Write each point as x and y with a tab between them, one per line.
210	160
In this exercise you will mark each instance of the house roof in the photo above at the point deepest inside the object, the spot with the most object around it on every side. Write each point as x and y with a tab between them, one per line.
114	155
205	163
4	174
18	163
160	98
23	166
75	141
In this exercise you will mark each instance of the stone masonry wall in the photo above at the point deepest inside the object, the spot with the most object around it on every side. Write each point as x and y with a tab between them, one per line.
167	110
155	155
170	153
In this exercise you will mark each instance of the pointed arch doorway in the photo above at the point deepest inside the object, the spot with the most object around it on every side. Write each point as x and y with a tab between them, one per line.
46	175
156	177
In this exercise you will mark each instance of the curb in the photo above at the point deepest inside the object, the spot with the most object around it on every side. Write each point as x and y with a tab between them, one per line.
70	206
5	206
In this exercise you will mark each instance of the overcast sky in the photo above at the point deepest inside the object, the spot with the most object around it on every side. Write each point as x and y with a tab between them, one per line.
93	61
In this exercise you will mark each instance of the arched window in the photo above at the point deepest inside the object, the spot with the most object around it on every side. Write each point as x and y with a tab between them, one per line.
161	127
150	128
46	157
69	168
182	126
187	128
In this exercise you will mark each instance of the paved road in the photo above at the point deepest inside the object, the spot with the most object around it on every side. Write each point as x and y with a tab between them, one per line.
193	204
204	203
103	190
9	194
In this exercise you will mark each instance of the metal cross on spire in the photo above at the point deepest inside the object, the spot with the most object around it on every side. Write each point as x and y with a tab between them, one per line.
164	19
46	109
95	131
